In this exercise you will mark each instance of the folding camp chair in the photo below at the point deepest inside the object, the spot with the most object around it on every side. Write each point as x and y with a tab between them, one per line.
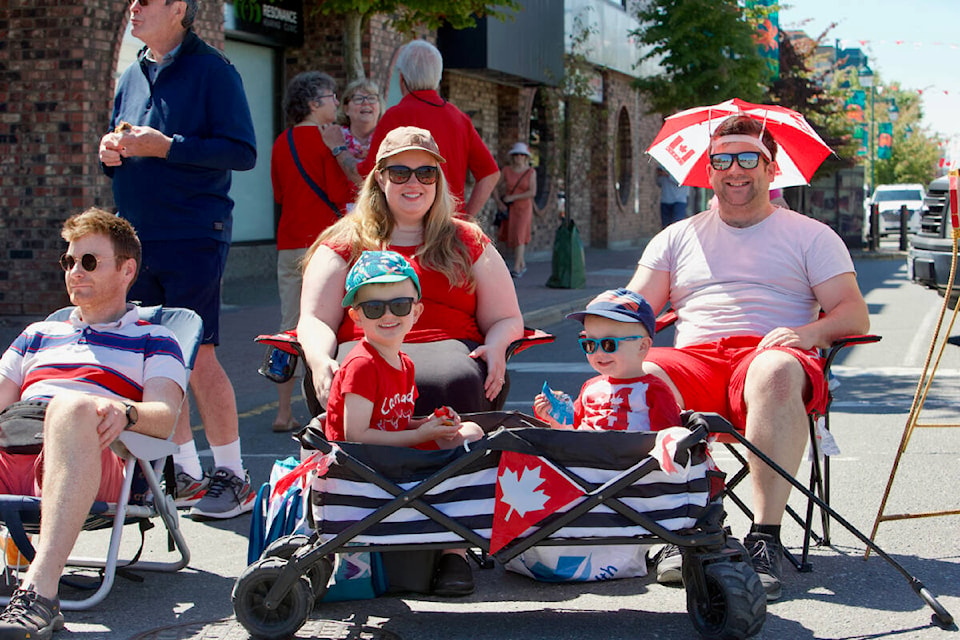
819	481
280	362
144	458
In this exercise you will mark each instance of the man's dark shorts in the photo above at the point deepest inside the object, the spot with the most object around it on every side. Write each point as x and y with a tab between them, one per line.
184	273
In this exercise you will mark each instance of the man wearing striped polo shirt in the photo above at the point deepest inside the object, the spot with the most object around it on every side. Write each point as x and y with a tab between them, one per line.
90	377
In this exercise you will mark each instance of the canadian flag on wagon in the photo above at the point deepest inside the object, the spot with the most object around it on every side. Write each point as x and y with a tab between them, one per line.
529	488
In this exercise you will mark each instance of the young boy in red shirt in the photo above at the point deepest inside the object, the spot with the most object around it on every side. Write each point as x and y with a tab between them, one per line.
618	328
373	391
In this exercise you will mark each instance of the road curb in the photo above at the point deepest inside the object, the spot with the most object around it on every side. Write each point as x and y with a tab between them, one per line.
553	314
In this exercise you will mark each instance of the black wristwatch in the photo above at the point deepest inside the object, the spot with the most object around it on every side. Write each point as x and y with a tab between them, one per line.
132	415
338	150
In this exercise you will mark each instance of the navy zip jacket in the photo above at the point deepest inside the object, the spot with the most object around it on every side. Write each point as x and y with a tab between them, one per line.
198	100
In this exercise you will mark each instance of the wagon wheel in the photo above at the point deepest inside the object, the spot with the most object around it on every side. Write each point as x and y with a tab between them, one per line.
735	606
251	590
319	573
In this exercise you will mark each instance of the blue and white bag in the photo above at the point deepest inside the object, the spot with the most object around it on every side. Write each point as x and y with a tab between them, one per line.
275	516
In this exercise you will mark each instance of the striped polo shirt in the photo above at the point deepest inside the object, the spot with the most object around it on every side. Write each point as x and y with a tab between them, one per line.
113	359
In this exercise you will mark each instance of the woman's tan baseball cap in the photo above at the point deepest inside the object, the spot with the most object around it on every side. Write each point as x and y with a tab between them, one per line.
408	139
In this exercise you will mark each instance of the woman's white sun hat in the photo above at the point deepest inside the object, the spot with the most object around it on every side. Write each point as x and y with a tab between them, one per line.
519	149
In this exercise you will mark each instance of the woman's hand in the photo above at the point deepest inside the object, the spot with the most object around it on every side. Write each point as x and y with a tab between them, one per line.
496	369
323	378
498	316
332	136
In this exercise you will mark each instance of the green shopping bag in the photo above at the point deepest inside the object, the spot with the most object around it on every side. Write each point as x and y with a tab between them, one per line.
569	268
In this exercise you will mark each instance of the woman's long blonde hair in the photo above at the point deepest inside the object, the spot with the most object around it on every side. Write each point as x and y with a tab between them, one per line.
369	227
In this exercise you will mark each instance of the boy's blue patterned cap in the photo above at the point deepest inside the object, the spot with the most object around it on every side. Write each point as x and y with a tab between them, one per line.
621	305
378	266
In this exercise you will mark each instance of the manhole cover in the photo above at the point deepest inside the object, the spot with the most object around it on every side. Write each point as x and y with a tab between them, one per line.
230	629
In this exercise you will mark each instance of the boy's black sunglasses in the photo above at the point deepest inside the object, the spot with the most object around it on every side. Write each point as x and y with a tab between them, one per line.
723	161
399	174
374	309
609	345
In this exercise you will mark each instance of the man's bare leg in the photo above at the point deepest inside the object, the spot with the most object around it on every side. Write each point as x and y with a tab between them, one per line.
71	480
215	398
777	424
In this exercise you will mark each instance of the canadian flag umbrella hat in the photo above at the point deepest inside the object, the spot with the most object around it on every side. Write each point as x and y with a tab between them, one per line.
682	146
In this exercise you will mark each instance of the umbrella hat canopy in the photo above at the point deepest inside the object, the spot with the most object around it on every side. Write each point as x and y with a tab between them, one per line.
682	146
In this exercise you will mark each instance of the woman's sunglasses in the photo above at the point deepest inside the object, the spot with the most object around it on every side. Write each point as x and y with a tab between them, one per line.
88	261
609	345
399	174
723	161
374	309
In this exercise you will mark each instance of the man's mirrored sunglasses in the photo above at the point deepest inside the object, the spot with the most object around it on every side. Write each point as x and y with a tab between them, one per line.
746	160
88	261
374	309
609	345
399	174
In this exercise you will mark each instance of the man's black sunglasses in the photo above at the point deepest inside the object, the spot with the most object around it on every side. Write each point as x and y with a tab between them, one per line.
723	161
88	261
399	174
374	309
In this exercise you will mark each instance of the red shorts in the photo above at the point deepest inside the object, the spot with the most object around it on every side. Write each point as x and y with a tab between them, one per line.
711	376
22	474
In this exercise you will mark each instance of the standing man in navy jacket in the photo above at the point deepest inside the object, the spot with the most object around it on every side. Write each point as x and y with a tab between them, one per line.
180	126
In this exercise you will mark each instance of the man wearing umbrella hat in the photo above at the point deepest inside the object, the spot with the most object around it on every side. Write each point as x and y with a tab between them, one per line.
748	281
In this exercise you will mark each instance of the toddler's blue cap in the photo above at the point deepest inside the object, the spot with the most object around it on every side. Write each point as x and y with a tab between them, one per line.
621	305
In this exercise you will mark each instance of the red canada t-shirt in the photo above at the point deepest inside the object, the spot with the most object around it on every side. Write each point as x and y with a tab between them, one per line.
449	312
366	373
632	404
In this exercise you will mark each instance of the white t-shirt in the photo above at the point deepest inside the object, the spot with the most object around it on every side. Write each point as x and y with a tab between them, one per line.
726	281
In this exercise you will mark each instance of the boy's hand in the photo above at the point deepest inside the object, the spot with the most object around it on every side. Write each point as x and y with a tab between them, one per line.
447	415
541	409
435	428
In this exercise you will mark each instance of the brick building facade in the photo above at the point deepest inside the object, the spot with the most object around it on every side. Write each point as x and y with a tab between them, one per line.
57	77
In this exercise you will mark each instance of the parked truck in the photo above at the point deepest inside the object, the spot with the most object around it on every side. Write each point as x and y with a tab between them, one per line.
931	248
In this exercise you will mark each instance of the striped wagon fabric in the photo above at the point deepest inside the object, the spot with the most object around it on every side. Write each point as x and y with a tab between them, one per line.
676	500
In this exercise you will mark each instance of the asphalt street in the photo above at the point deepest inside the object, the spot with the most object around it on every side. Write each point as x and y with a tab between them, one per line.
843	597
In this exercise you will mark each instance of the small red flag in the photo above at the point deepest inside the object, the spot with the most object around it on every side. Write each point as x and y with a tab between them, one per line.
316	462
954	208
529	488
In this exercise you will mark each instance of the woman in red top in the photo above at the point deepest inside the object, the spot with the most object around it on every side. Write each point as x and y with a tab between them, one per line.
471	313
310	103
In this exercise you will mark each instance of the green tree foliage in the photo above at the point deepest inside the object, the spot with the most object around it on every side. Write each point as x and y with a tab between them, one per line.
914	154
706	51
801	88
405	16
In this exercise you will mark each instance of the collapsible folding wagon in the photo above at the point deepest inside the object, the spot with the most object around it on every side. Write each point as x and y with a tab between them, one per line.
521	486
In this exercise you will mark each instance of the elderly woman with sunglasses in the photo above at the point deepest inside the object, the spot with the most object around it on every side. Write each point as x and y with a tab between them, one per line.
471	313
357	117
